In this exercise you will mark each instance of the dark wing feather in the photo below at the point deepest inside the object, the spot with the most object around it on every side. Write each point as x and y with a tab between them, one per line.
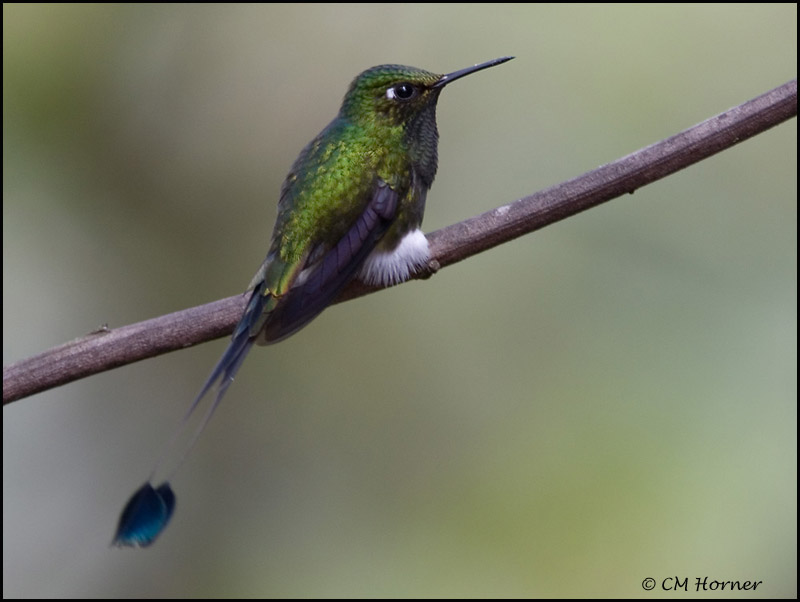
330	273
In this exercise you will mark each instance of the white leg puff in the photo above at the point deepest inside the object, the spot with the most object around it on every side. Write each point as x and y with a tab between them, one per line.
385	268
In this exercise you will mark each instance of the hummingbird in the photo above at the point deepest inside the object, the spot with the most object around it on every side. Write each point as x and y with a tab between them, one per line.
350	208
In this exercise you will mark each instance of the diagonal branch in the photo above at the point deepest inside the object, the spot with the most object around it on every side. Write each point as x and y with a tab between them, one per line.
108	349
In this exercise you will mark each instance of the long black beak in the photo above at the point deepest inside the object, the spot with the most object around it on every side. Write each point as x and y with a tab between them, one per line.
451	77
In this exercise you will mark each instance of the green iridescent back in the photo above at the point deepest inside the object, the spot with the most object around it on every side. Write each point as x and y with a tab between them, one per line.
330	183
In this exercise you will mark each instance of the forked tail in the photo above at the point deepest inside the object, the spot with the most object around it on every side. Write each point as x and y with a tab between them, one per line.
149	509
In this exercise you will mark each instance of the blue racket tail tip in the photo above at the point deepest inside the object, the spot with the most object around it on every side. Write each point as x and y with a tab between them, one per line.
145	516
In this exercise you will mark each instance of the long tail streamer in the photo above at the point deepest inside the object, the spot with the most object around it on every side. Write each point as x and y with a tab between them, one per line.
150	508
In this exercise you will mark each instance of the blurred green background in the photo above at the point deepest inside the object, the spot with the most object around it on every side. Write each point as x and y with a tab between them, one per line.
610	399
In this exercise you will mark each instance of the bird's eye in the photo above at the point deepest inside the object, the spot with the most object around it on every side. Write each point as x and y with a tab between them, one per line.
401	92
